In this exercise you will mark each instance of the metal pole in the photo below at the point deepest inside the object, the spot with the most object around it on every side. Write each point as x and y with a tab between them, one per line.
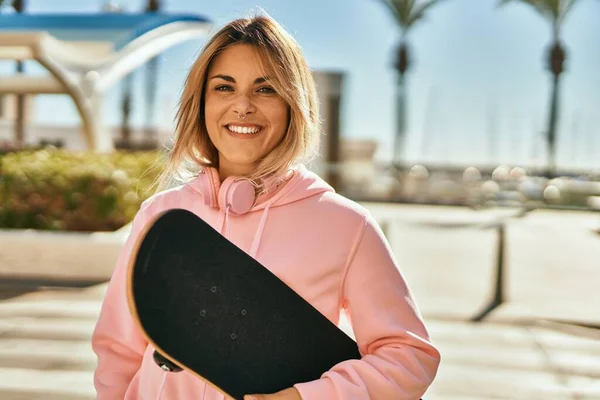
498	296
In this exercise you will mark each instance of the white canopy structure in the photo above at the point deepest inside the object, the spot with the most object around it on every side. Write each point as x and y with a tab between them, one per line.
85	54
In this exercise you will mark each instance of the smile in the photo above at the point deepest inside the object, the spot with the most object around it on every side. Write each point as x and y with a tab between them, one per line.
245	130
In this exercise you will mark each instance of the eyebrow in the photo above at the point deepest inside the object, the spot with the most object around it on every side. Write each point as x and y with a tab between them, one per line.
230	78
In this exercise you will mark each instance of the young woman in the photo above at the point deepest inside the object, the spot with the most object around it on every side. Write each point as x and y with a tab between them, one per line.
249	114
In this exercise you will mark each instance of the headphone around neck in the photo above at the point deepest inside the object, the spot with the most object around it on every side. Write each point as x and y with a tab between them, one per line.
235	193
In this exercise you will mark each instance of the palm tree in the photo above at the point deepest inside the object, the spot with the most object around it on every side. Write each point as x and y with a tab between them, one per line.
19	6
406	13
110	6
126	100
555	12
152	6
127	93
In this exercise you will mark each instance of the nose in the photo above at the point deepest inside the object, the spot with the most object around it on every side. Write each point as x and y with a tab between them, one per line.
243	104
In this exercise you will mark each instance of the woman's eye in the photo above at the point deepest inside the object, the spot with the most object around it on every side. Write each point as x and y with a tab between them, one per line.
223	88
267	89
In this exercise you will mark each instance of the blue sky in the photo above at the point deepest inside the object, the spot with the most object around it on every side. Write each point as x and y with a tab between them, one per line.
478	74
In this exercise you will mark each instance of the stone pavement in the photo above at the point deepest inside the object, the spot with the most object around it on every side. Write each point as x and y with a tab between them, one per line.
534	346
45	353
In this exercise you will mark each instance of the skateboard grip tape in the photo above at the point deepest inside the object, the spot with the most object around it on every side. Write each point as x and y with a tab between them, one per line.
219	313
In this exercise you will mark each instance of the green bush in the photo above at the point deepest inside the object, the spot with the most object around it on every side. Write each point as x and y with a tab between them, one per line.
55	189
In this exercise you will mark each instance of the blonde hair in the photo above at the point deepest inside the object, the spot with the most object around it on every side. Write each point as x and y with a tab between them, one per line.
282	59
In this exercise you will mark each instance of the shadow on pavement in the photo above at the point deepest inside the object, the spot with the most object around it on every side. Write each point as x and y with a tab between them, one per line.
15	286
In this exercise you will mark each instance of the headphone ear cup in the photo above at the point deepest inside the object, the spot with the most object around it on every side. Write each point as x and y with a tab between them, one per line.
209	180
237	194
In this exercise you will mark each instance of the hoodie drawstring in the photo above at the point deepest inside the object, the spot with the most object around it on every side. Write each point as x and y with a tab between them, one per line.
224	228
220	221
259	231
163	380
228	235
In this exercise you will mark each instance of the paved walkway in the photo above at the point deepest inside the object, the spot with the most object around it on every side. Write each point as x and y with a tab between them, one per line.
523	350
45	353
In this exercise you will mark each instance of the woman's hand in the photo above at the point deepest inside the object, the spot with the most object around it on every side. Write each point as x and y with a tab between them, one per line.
287	394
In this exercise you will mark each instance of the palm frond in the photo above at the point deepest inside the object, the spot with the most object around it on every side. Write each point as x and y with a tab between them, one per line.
538	5
407	12
555	10
421	9
388	4
402	9
567	6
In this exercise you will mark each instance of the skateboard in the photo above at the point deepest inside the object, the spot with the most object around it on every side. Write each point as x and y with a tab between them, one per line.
209	308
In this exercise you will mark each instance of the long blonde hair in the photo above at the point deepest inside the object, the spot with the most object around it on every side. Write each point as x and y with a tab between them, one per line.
290	76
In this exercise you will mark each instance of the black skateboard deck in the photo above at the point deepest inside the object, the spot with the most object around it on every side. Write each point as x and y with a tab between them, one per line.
210	308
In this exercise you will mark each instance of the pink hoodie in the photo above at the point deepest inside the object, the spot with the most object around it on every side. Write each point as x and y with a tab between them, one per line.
325	247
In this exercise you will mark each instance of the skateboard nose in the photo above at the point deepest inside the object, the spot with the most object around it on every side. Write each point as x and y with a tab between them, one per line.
164	363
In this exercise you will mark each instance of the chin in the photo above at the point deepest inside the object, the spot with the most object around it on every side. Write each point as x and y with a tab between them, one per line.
242	160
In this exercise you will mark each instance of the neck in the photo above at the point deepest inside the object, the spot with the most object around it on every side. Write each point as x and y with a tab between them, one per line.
226	170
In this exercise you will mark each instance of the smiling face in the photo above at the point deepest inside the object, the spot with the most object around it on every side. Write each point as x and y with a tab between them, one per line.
236	85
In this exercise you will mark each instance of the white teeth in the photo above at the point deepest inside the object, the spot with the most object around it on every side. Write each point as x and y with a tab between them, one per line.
243	129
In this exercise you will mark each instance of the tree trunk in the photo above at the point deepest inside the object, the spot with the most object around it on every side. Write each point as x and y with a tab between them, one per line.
19	6
151	80
20	117
400	138
126	111
152	6
551	138
556	66
402	64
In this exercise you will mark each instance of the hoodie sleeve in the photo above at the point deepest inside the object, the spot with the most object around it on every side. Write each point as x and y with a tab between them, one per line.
399	362
116	340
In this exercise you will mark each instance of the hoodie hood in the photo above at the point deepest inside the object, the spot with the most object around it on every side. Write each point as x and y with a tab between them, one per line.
303	184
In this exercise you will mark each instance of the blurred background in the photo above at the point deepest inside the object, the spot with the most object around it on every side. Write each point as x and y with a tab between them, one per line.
469	128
